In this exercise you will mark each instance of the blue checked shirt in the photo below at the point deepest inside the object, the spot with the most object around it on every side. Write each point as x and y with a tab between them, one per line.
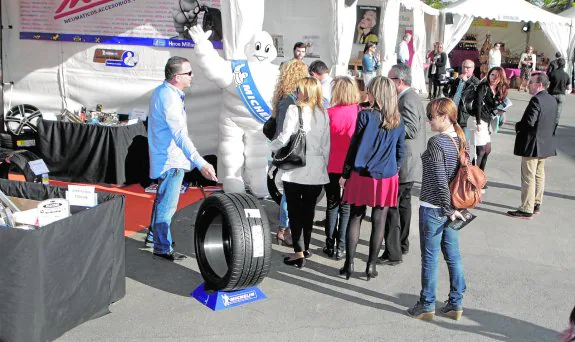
169	145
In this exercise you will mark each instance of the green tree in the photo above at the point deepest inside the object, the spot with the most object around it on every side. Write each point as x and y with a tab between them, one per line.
554	6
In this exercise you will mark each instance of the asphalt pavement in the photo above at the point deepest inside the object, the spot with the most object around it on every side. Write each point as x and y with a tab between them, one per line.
520	274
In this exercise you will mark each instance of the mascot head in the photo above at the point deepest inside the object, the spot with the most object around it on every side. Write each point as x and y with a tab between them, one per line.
261	48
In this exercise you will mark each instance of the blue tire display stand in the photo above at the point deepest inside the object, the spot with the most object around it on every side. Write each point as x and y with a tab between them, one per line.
221	300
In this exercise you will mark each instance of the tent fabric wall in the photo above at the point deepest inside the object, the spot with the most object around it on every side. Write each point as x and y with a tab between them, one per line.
240	20
389	25
294	19
342	31
419	51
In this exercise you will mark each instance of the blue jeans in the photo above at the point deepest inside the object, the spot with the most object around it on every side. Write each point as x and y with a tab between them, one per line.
165	206
435	234
284	219
336	211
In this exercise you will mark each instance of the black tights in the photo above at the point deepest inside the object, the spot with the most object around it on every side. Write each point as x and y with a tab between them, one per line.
357	213
482	153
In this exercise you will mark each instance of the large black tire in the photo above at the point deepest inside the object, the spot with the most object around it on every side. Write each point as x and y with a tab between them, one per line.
232	242
17	161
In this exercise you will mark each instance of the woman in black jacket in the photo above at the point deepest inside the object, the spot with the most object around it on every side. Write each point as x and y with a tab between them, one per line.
439	61
491	93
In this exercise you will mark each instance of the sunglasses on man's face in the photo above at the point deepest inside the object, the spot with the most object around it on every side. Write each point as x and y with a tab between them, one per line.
189	73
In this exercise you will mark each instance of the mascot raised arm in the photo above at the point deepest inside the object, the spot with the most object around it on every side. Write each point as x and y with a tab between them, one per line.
248	86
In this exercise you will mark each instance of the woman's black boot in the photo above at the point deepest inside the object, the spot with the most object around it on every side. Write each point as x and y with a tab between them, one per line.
347	269
370	271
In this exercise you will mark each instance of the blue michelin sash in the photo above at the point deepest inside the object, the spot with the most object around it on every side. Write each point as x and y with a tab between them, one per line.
248	91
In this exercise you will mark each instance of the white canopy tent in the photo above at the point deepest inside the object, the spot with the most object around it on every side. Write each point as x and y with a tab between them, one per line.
570	14
389	25
556	28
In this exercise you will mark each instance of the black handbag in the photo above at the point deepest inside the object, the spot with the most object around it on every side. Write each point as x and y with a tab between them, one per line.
269	128
292	155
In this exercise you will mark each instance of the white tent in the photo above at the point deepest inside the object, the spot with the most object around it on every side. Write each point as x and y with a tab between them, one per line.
556	28
570	13
389	26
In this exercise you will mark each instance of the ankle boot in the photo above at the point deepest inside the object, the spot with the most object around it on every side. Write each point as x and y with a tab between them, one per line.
370	271
347	269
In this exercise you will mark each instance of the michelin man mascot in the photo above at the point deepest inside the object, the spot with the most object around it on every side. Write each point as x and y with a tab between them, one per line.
246	105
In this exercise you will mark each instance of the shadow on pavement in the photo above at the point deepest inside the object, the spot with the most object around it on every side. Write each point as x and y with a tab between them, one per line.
491	324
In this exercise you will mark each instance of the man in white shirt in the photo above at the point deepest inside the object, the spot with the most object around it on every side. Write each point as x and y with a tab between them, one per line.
172	153
320	72
495	56
403	55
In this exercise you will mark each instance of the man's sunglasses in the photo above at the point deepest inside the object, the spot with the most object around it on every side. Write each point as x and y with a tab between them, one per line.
189	73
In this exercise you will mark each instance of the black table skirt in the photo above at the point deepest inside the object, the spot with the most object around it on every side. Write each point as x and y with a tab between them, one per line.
63	274
93	153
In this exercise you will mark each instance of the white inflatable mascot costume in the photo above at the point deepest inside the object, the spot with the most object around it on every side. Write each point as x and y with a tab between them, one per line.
248	82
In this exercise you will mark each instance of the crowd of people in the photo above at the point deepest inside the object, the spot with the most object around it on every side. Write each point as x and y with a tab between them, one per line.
366	154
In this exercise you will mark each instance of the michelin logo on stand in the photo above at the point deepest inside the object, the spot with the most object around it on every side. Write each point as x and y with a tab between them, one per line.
224	300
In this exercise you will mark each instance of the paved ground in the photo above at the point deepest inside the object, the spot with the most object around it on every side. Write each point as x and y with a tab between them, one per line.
520	276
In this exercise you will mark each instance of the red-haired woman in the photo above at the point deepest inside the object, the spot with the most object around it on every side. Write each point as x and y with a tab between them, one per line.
491	93
440	164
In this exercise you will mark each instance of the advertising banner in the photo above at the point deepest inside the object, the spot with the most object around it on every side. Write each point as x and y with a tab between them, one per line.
130	22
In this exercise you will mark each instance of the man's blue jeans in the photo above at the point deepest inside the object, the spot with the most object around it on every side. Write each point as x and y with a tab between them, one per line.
165	206
284	219
434	234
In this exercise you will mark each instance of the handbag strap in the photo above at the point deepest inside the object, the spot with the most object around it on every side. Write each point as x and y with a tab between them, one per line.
300	118
462	158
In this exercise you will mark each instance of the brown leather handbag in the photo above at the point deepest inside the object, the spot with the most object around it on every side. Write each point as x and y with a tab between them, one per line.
467	184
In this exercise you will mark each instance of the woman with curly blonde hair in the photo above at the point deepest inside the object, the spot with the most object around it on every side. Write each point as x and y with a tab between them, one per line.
285	96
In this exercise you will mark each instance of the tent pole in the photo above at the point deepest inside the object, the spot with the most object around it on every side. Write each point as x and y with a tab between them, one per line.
1	61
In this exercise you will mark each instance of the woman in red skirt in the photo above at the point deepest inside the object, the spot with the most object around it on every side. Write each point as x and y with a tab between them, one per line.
370	171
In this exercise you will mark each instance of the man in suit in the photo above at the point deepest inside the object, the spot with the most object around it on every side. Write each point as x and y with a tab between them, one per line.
559	83
462	92
398	219
534	143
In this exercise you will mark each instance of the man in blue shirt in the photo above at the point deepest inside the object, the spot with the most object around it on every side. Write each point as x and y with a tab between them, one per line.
172	153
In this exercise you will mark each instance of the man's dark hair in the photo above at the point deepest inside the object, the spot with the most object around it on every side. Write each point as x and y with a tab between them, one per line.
403	72
541	78
557	54
318	67
174	66
560	63
298	45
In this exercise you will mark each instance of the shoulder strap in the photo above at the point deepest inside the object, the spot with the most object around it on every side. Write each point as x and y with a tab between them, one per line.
462	158
300	117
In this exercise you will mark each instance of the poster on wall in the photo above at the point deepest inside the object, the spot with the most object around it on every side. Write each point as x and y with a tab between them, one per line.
367	24
129	22
311	46
279	44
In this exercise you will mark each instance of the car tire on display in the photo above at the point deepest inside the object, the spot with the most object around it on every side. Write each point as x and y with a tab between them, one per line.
22	119
17	161
232	242
275	186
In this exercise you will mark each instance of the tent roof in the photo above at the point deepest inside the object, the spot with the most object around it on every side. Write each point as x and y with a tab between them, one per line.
418	3
568	13
504	10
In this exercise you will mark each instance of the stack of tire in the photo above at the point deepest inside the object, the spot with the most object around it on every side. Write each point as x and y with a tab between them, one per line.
232	242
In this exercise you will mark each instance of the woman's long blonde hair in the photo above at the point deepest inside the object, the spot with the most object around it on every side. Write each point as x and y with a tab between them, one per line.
344	91
385	101
290	73
310	88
